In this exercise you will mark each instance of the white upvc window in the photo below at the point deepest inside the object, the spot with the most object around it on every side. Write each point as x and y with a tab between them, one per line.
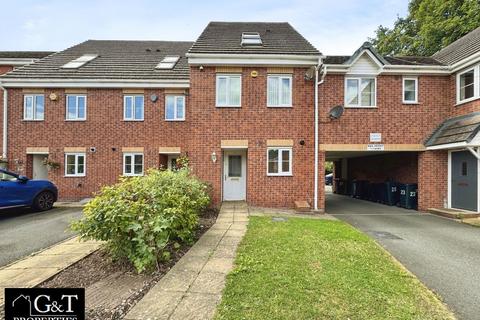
468	85
229	90
410	90
133	106
174	108
75	164
76	107
279	91
34	107
360	92
279	161
133	164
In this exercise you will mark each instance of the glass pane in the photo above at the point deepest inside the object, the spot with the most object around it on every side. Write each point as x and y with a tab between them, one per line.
368	92
29	108
70	169
466	85
39	107
285	161
273	161
234	166
81	107
409	95
138	108
352	92
71	107
138	169
273	91
138	159
128	108
180	107
286	91
234	91
70	164
170	110
222	91
80	168
409	85
128	164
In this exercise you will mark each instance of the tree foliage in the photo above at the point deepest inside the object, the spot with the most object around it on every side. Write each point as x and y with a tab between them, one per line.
429	26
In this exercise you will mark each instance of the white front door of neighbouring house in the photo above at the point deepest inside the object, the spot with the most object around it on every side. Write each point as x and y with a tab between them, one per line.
234	175
39	170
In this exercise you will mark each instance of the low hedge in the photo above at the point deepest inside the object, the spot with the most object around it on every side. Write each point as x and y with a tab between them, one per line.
140	218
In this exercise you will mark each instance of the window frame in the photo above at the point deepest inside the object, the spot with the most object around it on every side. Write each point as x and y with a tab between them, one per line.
34	107
476	84
175	118
76	155
280	77
228	76
76	109
133	174
416	90
280	172
359	93
134	107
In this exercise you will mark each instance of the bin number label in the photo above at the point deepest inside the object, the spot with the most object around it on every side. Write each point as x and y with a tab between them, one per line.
402	192
394	189
412	194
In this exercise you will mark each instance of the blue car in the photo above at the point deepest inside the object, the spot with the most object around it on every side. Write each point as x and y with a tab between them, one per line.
19	191
329	179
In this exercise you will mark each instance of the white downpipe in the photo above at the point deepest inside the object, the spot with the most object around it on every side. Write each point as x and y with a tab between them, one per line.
5	123
317	83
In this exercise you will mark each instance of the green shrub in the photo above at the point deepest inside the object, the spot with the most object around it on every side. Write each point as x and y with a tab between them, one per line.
140	218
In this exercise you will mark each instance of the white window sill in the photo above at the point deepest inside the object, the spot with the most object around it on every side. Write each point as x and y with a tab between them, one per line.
33	120
174	120
361	107
74	176
279	175
228	106
466	101
133	120
133	175
75	120
410	102
279	106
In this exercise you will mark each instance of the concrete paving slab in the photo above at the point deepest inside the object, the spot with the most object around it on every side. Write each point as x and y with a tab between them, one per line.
220	265
156	305
209	282
178	280
47	261
196	306
191	263
230	241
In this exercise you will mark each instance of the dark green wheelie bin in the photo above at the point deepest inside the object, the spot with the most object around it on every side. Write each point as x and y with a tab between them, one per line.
408	195
392	194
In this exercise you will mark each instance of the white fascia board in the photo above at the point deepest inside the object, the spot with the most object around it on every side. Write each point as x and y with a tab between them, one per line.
473	59
371	55
448	146
93	83
396	69
16	61
252	59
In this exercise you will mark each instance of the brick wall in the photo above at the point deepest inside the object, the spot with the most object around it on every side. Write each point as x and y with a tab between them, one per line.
400	167
257	123
3	70
432	179
399	123
104	130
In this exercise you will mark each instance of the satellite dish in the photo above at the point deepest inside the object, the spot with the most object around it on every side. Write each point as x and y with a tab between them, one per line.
336	112
310	74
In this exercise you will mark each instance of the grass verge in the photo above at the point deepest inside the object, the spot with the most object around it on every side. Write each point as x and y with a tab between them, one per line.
317	269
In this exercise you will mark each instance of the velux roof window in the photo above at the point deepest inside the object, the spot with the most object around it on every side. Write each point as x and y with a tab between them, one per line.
251	39
77	63
168	62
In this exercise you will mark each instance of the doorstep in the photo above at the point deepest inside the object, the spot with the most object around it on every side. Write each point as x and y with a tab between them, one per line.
41	266
454	213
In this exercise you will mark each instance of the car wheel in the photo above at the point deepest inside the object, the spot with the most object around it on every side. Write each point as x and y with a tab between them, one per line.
44	201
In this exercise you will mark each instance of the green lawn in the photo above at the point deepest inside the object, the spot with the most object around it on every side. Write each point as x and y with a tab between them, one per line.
318	269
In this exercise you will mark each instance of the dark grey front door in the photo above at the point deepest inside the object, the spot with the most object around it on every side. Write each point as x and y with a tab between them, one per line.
464	180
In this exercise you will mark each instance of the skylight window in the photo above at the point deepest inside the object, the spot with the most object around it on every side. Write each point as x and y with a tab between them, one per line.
77	63
168	62
251	39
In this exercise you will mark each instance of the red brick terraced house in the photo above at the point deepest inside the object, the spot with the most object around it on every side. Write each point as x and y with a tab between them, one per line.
250	105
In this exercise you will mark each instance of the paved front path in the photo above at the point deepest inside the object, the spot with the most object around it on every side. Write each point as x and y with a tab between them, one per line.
35	269
193	287
443	254
23	231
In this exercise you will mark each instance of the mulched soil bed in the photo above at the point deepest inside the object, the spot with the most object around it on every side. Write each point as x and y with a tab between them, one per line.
99	266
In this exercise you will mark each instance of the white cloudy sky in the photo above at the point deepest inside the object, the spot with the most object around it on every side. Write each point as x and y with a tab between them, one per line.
333	26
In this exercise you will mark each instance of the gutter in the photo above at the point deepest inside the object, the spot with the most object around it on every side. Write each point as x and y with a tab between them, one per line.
93	83
5	123
317	83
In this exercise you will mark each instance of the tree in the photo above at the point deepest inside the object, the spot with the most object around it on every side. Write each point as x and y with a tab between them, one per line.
429	26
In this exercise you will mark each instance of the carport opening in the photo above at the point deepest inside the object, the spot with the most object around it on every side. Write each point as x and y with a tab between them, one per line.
389	178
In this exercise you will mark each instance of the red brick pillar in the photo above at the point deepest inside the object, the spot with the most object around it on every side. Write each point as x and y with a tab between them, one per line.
432	179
